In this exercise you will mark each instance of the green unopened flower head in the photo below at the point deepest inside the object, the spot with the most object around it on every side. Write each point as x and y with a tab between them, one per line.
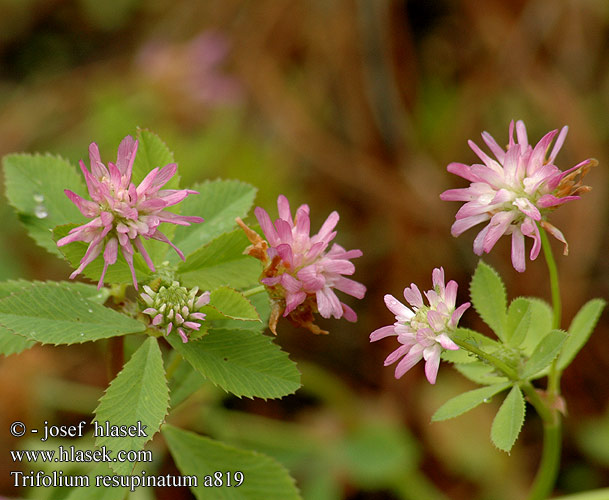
175	306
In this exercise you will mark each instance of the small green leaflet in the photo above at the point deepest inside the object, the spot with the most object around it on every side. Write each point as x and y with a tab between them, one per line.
35	188
467	401
263	477
243	363
480	373
508	421
580	330
540	324
226	303
489	298
221	262
544	353
518	321
138	394
52	313
219	203
13	344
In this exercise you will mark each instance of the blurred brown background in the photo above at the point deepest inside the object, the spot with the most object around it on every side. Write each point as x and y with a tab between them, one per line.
350	105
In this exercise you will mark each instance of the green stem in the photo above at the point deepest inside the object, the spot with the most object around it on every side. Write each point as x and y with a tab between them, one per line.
550	461
254	291
173	365
496	362
552	439
553	271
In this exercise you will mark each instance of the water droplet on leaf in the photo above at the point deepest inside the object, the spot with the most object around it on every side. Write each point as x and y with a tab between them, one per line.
41	212
38	198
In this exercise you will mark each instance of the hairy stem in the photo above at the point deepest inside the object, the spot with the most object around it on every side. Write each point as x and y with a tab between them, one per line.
552	439
496	362
253	291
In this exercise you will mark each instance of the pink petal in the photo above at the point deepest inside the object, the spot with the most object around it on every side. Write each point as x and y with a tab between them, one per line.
328	303
413	296
292	301
412	358
311	279
126	155
558	144
549	200
488	161
402	313
518	250
348	313
382	332
161	237
183	335
127	252
203	300
446	342
436	321
144	253
462	225
450	295
432	363
497	228
350	286
493	146
267	226
554	231
86	207
283	208
529	228
458	312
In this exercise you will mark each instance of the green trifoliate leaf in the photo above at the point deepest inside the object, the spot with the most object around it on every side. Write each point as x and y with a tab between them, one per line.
52	313
467	401
224	302
518	321
13	344
9	342
489	299
544	353
35	188
219	203
137	399
245	475
118	272
539	325
244	363
221	262
580	330
480	373
508	421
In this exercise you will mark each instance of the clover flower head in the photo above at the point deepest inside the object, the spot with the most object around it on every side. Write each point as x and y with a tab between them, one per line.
175	306
301	273
515	192
424	330
120	212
